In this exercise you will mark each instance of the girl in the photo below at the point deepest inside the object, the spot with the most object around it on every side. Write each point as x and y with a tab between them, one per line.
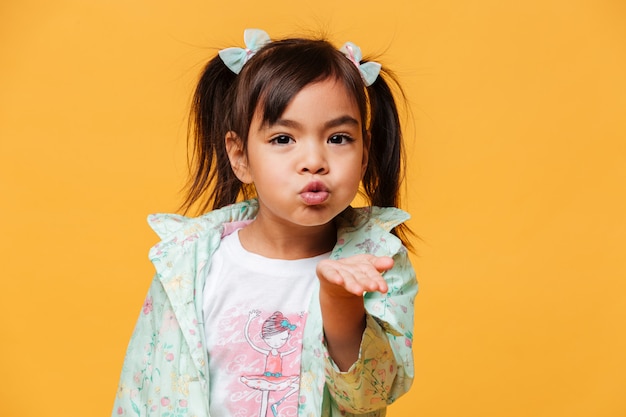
290	129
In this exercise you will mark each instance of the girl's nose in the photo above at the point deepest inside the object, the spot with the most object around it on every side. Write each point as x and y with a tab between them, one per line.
313	160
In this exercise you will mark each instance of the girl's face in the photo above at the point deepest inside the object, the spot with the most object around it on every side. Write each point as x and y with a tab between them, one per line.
306	167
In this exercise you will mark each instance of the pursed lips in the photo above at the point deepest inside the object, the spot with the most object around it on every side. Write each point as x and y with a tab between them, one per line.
314	193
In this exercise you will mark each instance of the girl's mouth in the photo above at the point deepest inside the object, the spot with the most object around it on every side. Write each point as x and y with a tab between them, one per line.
314	193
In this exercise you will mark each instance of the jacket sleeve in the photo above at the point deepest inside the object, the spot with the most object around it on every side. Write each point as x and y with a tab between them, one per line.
151	381
384	368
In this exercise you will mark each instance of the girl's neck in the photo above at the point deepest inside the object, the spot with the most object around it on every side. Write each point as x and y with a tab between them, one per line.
287	241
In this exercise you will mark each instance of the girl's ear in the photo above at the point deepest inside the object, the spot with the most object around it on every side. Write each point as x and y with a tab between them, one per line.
237	157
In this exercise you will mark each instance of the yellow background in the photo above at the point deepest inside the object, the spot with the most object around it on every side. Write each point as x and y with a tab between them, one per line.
516	184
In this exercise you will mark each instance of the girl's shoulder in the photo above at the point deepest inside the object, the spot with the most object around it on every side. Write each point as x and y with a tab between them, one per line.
368	230
169	225
385	218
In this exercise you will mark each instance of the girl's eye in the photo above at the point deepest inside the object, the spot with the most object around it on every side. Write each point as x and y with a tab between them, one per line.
281	140
340	139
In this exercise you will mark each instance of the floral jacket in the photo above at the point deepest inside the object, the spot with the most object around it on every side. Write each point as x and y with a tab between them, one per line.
165	372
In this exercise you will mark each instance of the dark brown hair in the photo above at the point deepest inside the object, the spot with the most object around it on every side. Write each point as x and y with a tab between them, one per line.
224	101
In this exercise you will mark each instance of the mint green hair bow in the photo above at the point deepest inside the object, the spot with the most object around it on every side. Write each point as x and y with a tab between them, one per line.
369	70
235	58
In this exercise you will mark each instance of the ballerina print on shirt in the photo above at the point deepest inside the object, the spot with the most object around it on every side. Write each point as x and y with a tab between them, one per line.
275	332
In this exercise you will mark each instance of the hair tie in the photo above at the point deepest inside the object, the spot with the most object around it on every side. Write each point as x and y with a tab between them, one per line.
235	58
369	70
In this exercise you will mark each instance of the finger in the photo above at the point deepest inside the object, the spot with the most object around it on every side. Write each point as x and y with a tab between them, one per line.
355	282
343	281
383	263
371	273
376	282
363	278
357	274
346	279
327	272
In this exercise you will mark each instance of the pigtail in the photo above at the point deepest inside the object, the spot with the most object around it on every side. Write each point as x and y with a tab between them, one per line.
212	183
386	159
384	174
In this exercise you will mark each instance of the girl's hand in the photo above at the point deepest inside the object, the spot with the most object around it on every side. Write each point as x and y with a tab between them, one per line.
354	275
342	284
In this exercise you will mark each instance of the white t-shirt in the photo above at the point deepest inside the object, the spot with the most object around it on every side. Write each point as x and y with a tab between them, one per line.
254	313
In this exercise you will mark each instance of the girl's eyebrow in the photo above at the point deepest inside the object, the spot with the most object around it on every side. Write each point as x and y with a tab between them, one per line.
343	120
339	121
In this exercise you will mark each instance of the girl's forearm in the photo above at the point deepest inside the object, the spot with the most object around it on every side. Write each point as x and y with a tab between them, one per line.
344	323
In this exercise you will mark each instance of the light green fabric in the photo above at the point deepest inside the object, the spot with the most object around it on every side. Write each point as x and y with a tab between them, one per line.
165	372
